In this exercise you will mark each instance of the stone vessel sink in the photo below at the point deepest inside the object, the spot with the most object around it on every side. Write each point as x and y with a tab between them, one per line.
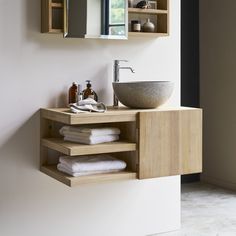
143	94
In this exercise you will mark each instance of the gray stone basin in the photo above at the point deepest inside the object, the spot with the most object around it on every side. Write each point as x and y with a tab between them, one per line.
143	94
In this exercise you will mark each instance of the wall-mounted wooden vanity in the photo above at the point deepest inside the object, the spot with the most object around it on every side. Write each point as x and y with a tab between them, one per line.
154	143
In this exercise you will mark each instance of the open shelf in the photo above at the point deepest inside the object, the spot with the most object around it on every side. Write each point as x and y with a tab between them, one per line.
159	17
73	181
57	5
147	11
144	34
73	149
113	114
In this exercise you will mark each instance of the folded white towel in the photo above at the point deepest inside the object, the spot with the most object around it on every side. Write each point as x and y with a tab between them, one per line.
90	131
91	139
79	134
62	168
92	163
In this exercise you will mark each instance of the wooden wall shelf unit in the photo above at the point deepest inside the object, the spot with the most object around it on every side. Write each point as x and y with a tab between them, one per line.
52	12
158	16
154	143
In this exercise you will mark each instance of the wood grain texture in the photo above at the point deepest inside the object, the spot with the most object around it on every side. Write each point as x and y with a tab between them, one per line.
74	149
113	115
45	131
64	116
74	181
170	143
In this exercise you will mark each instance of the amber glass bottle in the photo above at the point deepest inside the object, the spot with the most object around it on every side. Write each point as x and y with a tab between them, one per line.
89	93
73	93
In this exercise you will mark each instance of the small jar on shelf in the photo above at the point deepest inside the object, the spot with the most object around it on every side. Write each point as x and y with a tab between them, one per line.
135	26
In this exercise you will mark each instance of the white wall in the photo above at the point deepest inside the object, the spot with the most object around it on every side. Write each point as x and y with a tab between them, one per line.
218	86
36	71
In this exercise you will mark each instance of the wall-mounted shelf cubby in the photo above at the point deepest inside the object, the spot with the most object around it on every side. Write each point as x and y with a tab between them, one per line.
159	16
172	146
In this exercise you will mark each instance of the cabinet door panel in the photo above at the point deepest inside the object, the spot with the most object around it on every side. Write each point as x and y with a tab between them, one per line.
170	143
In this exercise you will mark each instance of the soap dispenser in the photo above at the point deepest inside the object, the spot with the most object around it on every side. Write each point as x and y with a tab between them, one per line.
89	92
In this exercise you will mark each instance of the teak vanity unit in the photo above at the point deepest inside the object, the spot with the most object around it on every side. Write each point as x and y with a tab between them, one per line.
154	143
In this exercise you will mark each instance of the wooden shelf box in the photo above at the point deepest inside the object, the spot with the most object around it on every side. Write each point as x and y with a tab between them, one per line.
154	143
159	16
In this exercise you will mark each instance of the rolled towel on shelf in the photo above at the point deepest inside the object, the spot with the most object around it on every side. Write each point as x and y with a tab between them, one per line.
100	162
92	139
89	131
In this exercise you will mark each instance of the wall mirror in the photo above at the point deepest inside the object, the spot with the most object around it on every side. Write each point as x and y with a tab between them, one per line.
104	19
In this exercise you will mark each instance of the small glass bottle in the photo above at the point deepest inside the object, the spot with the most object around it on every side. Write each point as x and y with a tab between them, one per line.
73	93
89	92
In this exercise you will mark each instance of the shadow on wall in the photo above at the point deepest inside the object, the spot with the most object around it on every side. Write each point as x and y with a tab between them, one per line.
21	150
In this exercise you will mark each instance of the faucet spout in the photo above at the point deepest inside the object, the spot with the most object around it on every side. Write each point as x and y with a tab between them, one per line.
117	69
128	68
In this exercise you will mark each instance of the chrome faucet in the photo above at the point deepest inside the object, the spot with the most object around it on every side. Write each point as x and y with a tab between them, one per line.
117	69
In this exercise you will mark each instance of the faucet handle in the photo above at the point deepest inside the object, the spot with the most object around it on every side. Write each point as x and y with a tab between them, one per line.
118	61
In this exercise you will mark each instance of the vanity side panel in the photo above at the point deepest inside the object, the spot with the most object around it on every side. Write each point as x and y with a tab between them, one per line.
170	143
190	141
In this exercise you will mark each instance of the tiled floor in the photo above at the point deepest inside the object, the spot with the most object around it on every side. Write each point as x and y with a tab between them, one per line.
207	211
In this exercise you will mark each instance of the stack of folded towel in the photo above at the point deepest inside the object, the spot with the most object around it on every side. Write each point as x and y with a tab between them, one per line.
89	165
90	135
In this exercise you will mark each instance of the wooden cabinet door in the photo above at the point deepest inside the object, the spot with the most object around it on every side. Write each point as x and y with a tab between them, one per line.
170	143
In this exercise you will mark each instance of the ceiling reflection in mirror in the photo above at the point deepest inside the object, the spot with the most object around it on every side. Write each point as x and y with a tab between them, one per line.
105	19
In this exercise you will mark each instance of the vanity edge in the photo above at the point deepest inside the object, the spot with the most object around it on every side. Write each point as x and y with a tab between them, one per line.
121	114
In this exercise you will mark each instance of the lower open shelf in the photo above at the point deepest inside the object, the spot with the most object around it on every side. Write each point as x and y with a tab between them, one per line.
73	181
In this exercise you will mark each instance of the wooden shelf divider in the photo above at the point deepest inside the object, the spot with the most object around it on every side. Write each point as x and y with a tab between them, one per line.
147	11
74	149
57	5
